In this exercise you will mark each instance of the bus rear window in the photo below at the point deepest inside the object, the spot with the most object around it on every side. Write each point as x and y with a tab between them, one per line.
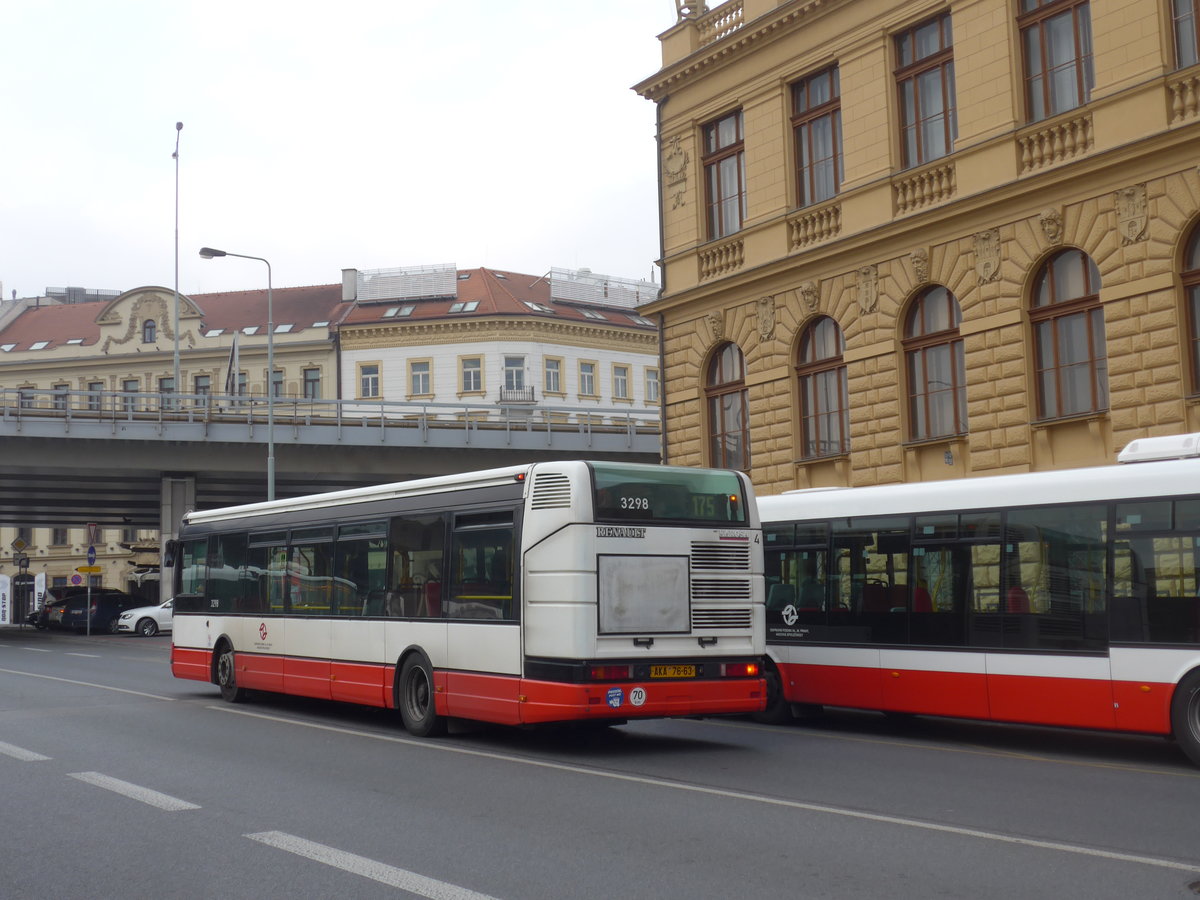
657	493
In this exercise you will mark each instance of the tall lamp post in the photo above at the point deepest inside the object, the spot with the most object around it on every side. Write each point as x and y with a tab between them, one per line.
210	253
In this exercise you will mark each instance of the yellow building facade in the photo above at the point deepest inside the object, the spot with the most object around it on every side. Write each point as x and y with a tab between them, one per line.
906	241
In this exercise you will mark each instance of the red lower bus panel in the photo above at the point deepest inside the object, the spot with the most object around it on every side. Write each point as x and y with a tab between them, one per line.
258	672
555	702
1071	702
187	662
962	694
306	677
368	684
491	698
833	685
1143	706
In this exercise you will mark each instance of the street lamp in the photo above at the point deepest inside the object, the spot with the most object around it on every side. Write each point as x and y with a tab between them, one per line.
210	253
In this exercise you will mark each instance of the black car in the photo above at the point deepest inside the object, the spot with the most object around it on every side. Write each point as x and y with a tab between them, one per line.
107	605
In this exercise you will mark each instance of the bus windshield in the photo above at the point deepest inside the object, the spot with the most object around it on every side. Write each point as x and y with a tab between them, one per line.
660	493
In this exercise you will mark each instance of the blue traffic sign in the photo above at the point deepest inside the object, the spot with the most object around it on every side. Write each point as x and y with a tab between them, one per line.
91	556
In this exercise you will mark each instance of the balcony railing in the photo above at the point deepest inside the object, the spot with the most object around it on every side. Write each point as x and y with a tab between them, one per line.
516	395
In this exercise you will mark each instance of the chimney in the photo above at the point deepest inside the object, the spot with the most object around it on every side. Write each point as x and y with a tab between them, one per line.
349	285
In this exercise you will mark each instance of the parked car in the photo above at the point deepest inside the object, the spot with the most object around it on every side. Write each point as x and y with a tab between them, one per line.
147	620
50	614
105	611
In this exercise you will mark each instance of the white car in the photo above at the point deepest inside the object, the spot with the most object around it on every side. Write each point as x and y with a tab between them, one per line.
147	620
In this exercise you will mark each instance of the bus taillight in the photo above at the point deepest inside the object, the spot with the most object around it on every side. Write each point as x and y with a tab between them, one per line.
611	673
739	670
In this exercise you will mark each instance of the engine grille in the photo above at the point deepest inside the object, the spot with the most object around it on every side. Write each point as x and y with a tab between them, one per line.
709	617
727	557
551	490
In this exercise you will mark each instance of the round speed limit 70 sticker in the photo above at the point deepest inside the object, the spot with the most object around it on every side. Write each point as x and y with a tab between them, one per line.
637	696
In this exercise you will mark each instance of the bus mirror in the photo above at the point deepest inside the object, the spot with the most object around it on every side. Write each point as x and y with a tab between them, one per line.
170	553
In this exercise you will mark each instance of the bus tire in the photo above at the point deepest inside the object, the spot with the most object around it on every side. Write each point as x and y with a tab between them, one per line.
1185	715
415	698
227	676
777	711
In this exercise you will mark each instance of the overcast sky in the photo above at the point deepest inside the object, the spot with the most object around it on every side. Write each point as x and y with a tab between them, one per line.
355	134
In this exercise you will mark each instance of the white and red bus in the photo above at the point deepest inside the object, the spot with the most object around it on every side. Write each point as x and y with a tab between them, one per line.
1061	598
551	592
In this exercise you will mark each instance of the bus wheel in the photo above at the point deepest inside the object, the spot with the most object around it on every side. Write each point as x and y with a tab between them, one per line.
1185	716
414	696
778	711
226	677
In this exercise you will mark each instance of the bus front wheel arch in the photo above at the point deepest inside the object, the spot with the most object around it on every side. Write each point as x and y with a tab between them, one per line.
225	673
415	697
1185	715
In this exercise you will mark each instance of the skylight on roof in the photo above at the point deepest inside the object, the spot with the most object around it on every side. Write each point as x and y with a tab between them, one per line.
7	347
39	345
500	275
283	329
593	314
464	306
464	276
639	320
320	324
75	341
250	329
538	307
399	312
214	332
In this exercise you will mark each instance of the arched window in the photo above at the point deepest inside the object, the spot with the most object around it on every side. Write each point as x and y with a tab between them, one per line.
149	331
933	358
728	429
1068	337
1191	287
824	397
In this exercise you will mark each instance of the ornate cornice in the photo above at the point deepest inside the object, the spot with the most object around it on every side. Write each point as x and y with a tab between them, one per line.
468	331
719	52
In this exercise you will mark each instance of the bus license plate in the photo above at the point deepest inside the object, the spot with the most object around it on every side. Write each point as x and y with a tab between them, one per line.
672	671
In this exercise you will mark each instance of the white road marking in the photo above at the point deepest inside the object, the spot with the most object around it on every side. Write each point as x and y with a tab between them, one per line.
84	655
36	649
20	753
367	868
744	796
134	791
103	687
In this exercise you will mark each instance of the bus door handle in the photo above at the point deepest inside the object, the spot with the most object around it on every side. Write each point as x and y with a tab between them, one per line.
706	641
643	642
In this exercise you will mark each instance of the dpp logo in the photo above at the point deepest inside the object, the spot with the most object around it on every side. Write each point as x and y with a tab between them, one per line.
615	697
262	630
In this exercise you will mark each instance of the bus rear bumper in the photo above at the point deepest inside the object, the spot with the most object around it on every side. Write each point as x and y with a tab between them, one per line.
543	701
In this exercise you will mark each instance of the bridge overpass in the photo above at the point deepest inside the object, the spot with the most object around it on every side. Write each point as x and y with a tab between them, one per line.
141	460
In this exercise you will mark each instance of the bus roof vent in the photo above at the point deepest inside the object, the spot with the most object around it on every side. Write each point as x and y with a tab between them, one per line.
1175	446
551	490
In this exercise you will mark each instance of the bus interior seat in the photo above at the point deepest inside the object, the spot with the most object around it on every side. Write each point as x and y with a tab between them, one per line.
780	596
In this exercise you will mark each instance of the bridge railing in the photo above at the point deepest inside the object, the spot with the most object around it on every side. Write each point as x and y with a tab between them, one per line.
117	407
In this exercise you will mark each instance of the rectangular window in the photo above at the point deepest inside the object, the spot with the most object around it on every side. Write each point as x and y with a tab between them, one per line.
419	378
652	388
481	571
24	533
1056	38
202	386
277	383
553	369
725	175
58	537
312	384
368	380
472	375
620	382
166	387
95	389
587	379
817	128
129	387
417	543
925	80
1184	19
60	395
243	384
514	373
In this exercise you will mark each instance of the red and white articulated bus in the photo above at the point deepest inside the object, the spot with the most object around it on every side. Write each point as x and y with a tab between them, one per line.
551	592
1064	598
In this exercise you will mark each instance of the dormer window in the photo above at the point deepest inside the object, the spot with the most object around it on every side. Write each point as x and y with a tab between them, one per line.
149	332
538	307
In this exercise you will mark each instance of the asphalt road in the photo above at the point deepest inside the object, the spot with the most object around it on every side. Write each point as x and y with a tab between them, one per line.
119	781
